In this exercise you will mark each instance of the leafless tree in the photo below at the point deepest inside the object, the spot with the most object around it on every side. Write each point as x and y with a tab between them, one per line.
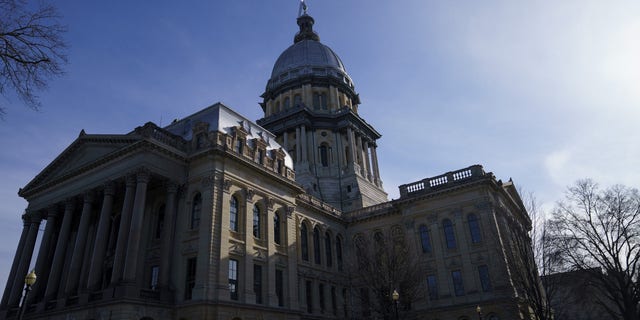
32	49
382	266
531	260
598	231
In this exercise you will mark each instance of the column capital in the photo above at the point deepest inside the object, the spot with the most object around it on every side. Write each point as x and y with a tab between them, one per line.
109	188
171	186
53	211
88	197
130	180
143	175
69	202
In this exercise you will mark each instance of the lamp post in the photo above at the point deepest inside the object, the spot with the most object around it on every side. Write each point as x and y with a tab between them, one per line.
479	311
29	280
396	297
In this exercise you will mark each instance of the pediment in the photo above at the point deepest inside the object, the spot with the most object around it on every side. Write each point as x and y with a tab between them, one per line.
84	151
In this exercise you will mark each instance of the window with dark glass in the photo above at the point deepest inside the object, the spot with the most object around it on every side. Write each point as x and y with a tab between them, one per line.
316	246
257	282
260	156
190	278
287	103
309	296
334	304
366	303
449	235
324	155
280	287
233	214
239	145
276	228
256	221
304	242
345	303
485	281
424	239
321	294
153	282
432	286
327	248
196	207
474	228
297	100
339	252
279	166
159	222
233	279
458	285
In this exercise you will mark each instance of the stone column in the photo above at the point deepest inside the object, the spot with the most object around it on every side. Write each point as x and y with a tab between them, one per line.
167	235
75	267
298	144
363	157
135	231
43	262
291	280
123	230
102	236
249	296
303	142
204	288
285	141
16	261
368	161
271	298
376	169
25	259
61	246
352	147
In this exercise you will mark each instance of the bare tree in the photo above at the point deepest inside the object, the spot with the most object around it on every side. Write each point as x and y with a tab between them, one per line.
598	231
531	260
383	266
32	49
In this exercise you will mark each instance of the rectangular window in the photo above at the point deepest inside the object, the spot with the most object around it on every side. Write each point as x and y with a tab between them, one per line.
483	272
458	285
366	304
309	296
190	278
260	156
257	282
233	279
239	145
432	286
155	272
344	303
321	294
334	304
280	287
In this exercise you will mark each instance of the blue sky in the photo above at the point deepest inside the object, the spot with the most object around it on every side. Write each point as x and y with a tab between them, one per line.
544	92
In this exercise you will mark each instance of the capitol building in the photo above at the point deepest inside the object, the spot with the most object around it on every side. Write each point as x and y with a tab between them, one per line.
216	216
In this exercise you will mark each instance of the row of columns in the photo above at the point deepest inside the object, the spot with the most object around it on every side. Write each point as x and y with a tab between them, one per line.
57	280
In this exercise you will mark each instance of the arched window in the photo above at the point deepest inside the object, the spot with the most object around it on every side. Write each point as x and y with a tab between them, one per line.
233	214
304	242
297	100
474	228
277	107
327	249
287	103
324	155
256	221
196	207
316	245
339	252
424	239
449	235
276	228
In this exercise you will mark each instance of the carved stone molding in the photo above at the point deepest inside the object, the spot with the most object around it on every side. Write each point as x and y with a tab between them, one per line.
208	181
290	211
249	193
143	175
270	203
109	188
226	184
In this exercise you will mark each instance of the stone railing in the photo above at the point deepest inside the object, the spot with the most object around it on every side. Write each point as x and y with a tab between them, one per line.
150	130
318	203
442	181
371	211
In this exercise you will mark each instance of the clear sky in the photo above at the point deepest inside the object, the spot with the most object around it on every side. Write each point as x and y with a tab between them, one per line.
544	92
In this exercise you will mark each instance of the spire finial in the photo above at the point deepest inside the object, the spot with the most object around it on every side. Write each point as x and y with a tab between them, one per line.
305	22
303	8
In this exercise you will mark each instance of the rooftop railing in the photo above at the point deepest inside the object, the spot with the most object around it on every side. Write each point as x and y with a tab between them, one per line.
442	181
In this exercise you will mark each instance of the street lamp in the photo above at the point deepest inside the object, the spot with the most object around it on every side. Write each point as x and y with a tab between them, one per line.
395	296
479	311
29	280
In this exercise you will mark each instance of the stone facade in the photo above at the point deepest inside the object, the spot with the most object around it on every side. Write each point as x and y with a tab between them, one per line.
217	217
